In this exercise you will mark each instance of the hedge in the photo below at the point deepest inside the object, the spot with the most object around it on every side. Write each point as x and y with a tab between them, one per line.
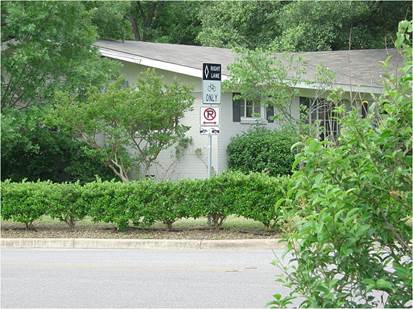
145	202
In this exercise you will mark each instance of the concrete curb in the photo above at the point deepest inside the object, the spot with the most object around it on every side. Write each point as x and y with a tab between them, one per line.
91	243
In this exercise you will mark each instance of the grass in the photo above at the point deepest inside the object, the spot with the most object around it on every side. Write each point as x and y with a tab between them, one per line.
233	228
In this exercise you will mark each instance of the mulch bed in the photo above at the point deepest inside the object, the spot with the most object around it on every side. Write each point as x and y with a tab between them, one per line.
57	230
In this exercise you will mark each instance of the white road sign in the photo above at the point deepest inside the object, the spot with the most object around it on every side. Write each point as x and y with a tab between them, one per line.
209	130
209	116
211	91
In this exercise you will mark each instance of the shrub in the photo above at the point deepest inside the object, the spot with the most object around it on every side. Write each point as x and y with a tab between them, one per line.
108	202
34	151
66	203
146	202
25	202
350	212
262	150
256	195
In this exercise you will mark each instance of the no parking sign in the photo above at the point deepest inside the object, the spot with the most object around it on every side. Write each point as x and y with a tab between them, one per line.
209	116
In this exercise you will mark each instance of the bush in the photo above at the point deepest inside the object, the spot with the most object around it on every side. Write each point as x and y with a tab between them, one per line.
146	202
350	214
262	150
34	151
256	195
67	204
25	202
109	202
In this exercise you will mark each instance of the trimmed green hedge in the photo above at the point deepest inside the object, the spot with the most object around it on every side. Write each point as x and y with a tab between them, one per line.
145	202
262	150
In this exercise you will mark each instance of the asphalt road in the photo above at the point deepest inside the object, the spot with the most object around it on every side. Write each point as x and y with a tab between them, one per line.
137	278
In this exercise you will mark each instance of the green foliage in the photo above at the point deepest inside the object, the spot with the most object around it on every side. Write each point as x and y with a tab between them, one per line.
144	118
32	150
263	78
110	18
301	25
154	21
108	202
328	25
25	202
66	203
262	150
145	202
249	24
349	206
49	47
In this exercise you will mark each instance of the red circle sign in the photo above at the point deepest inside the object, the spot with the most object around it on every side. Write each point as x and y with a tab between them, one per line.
210	114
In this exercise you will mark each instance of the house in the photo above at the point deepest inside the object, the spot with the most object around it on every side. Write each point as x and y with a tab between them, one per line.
357	71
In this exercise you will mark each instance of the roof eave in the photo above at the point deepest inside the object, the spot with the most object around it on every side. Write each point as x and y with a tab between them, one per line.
185	70
344	87
162	65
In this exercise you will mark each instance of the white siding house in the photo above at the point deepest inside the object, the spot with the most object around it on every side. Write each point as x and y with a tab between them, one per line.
356	71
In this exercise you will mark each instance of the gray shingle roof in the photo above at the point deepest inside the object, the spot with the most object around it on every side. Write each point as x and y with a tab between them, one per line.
355	67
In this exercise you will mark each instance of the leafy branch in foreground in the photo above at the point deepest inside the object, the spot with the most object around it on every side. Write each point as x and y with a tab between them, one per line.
347	212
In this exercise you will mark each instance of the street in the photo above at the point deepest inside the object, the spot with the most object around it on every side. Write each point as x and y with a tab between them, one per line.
137	278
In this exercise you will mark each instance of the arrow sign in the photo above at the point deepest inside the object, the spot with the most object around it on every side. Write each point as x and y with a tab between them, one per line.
211	83
211	71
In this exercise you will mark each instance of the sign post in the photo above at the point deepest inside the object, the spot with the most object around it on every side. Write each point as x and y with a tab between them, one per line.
211	94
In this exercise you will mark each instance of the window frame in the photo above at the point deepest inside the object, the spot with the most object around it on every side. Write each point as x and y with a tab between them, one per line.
251	119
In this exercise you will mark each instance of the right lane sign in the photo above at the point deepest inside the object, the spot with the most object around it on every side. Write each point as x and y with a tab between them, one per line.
211	83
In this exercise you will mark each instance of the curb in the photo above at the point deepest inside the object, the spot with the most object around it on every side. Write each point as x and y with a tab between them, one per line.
91	243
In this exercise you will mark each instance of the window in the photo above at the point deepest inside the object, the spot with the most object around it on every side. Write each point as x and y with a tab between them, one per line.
242	108
320	112
250	109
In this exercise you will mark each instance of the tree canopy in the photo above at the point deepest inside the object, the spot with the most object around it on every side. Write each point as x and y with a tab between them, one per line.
285	25
127	126
48	46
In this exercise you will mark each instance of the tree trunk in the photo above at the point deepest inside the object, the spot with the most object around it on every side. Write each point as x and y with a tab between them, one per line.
169	225
133	15
135	28
71	222
29	226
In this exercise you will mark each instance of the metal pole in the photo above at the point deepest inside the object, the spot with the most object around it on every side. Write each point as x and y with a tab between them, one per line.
209	168
209	154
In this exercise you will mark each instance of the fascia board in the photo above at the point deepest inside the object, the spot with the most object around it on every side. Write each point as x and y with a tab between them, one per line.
162	65
345	87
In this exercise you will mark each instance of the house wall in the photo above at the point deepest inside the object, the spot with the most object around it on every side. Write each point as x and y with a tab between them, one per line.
194	162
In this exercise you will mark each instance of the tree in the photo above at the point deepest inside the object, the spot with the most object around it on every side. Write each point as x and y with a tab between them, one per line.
301	25
136	124
48	47
165	22
337	25
264	78
247	24
110	18
348	210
